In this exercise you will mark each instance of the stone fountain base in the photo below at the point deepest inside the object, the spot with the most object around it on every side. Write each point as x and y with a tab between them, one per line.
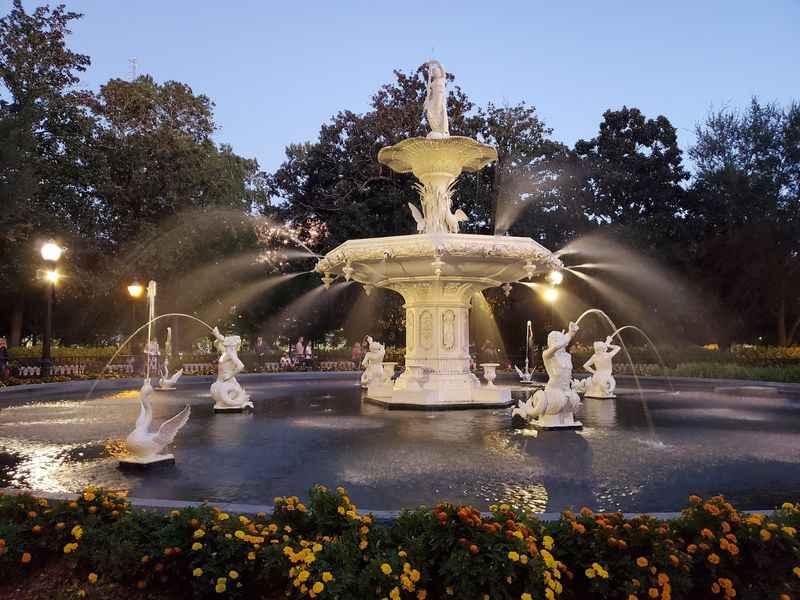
147	462
439	391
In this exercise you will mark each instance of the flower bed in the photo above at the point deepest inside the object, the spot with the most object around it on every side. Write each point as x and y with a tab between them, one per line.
326	549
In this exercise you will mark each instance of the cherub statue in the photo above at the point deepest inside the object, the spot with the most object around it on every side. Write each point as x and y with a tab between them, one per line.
436	100
554	406
372	363
226	391
601	384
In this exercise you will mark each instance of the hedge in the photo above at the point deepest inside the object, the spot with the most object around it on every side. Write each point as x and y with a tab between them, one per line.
327	549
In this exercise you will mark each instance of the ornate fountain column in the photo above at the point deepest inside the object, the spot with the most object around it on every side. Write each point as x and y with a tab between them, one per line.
437	342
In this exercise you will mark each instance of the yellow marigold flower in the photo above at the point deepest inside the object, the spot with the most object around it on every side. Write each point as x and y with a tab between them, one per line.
89	496
26	558
363	544
513	556
233	574
317	547
787	506
548	542
796	571
326	576
523	558
92	577
220	587
789	531
77	532
386	568
549	594
526	596
402	554
590	573
303	576
415	575
198	572
765	535
395	593
713	559
223	516
70	548
642	562
198	534
341	510
251	556
317	587
197	546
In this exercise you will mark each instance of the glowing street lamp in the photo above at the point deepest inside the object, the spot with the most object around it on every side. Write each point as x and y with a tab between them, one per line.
136	289
51	252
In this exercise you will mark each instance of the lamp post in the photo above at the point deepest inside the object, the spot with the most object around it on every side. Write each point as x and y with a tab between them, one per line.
51	252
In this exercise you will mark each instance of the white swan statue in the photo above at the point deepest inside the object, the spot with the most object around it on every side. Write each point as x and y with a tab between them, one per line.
145	447
167	381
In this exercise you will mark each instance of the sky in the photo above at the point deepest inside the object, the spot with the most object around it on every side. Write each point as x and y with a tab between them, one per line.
277	70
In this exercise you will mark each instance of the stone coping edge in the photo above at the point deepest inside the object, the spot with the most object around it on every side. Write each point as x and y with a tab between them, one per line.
252	509
503	379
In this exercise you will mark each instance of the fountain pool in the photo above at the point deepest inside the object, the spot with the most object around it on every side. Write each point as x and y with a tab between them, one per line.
304	431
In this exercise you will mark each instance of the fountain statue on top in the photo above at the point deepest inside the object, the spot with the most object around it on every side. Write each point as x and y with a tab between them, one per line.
438	270
228	395
553	407
372	363
602	383
167	382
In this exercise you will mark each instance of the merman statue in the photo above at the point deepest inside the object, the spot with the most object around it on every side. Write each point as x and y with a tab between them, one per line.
228	395
600	364
372	363
554	406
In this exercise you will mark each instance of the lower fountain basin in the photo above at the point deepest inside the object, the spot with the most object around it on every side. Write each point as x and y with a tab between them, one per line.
318	429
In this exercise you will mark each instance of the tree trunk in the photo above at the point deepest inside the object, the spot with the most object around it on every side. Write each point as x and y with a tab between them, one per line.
15	324
782	322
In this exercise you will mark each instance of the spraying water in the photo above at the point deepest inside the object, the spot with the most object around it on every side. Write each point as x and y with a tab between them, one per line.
608	320
147	326
652	345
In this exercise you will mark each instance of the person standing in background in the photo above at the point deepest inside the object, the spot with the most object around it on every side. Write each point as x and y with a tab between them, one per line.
3	357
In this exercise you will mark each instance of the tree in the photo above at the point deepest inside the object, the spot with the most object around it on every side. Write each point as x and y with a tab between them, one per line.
42	124
746	203
633	173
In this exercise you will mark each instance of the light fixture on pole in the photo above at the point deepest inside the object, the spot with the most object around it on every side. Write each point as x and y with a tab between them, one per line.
50	252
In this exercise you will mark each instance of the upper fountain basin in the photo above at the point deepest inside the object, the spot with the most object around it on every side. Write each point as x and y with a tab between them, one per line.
493	260
447	156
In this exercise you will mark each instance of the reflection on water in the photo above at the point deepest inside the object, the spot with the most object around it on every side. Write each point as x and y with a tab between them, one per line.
311	432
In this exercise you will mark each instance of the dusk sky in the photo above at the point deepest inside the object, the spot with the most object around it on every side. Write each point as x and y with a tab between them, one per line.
278	70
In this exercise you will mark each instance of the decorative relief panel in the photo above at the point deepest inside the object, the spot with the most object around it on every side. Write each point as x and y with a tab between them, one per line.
448	330
410	340
426	330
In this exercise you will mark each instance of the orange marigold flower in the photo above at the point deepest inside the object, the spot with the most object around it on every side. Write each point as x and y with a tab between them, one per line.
642	562
695	499
713	559
653	592
707	533
715	587
674	560
691	548
26	558
765	535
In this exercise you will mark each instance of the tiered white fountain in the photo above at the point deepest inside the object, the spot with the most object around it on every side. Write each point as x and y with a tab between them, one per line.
438	270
